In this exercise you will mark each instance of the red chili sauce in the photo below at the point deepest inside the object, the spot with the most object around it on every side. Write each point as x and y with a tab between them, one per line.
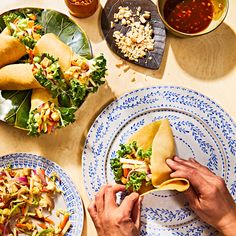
188	16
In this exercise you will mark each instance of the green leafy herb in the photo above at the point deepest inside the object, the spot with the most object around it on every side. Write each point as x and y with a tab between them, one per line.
116	167
136	180
67	114
32	125
127	149
55	86
45	232
28	41
77	92
132	148
144	154
11	17
98	72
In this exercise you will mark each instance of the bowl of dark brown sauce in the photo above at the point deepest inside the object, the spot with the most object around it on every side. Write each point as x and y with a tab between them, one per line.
187	18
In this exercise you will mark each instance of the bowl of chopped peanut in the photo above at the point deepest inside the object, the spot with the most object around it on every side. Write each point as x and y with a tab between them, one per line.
82	8
187	18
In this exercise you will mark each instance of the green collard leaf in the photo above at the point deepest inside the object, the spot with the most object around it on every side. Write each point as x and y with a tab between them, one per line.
15	107
116	167
67	30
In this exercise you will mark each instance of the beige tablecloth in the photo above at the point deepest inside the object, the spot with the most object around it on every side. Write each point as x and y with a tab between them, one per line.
206	64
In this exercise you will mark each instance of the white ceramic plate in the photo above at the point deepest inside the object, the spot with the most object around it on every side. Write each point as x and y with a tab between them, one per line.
69	200
201	130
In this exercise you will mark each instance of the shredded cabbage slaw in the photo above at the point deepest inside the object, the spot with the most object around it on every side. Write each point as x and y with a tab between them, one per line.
27	198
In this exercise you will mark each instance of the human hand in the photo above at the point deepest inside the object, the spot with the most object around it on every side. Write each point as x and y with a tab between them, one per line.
111	219
208	195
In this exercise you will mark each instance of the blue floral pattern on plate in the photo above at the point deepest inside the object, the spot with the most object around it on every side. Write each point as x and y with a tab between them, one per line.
202	130
70	194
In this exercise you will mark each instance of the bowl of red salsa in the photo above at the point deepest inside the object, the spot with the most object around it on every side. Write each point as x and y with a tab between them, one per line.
192	17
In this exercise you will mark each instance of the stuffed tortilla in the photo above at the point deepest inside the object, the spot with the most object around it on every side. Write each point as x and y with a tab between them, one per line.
44	72
18	77
23	27
45	114
141	163
11	49
82	75
51	44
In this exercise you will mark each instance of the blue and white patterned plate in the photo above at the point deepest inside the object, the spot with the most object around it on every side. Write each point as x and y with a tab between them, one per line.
70	199
201	130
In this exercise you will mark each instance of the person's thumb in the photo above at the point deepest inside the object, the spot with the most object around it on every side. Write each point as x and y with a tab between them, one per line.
136	213
128	203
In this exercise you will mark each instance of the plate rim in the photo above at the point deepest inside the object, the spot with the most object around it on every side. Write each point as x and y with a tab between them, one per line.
97	121
42	158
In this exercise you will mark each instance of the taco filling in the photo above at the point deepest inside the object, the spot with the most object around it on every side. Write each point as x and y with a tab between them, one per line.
85	76
132	166
140	164
46	115
45	119
27	198
25	28
89	73
46	70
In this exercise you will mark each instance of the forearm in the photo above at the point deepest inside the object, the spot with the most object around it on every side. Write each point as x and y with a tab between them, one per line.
228	231
229	228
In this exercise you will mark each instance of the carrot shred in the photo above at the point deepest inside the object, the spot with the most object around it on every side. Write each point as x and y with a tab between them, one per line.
64	221
48	220
21	225
42	225
32	17
125	172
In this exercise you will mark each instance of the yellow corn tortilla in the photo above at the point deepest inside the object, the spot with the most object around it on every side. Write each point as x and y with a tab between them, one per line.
6	31
11	49
51	44
39	97
18	77
163	147
159	136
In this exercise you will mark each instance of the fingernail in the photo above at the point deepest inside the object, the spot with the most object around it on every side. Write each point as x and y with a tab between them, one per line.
140	199
177	158
169	161
172	175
